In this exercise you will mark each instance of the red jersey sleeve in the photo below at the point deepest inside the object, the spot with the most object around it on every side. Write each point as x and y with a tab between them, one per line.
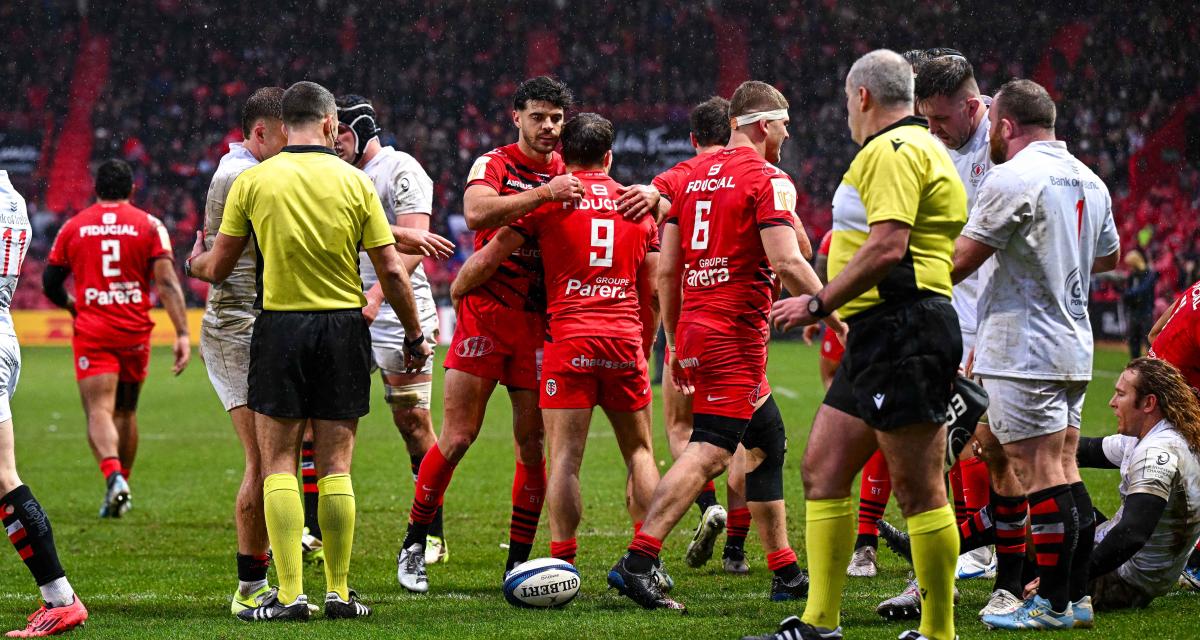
59	253
775	201
529	225
826	242
654	243
668	182
158	241
488	170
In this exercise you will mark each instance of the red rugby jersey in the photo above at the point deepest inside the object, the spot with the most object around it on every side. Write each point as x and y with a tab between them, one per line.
517	284
591	255
1179	341
671	182
727	281
110	250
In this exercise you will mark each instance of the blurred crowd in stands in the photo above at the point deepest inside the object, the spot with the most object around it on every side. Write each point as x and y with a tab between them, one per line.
442	74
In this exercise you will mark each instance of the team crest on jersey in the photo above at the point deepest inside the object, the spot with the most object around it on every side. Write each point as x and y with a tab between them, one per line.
551	386
84	363
475	347
715	169
976	172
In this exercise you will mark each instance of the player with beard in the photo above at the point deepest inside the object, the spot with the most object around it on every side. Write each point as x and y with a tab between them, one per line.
723	243
407	196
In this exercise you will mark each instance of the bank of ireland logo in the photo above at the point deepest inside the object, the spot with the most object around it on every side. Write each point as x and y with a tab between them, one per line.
551	387
474	347
84	363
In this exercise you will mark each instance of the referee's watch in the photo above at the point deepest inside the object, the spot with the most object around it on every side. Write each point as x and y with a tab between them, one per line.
187	268
816	308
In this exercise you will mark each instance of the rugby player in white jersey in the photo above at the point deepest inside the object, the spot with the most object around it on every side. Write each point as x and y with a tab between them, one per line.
26	523
1048	221
406	192
225	333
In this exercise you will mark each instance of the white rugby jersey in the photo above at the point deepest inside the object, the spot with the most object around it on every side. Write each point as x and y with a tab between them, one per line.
15	234
234	296
1160	464
403	188
1049	217
972	161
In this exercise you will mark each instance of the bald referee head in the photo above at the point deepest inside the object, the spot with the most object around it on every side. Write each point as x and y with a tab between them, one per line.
310	354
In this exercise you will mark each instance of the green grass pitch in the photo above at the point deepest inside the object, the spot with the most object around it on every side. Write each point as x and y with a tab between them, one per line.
167	569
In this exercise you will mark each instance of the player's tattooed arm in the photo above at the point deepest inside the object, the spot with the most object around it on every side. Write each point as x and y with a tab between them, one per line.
171	294
483	208
483	263
53	279
216	264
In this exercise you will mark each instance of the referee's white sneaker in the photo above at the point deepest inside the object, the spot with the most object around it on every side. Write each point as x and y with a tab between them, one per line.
712	523
979	563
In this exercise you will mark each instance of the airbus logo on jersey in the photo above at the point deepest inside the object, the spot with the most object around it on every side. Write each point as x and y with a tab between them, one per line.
519	185
474	347
118	293
615	288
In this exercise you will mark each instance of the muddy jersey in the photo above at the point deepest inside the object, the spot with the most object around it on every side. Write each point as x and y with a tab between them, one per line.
591	255
730	196
517	284
15	234
233	296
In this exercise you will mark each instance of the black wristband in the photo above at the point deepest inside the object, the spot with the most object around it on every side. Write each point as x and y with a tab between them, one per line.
411	344
187	268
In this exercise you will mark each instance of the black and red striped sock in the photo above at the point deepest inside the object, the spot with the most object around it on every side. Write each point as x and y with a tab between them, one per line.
873	494
308	477
528	495
783	564
707	497
564	550
432	480
30	534
956	491
252	568
1011	516
977	531
737	527
1087	540
1054	529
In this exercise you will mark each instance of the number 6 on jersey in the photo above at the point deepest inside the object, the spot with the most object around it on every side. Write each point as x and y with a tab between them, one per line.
700	232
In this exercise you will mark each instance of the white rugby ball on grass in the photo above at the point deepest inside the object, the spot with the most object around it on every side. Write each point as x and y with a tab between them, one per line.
542	583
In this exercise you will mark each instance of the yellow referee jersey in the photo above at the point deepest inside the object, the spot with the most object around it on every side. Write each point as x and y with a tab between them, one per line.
309	212
901	173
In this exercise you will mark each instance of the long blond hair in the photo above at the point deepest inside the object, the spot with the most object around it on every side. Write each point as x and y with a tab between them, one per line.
1176	398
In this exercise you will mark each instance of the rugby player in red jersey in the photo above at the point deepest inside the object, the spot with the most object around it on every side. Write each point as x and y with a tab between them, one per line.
1176	335
500	330
115	250
600	270
724	241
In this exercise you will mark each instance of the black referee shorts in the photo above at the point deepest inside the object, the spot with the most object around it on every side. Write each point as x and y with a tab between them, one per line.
900	365
310	365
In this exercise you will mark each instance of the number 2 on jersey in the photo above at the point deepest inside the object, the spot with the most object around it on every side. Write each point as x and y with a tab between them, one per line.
110	255
602	240
700	230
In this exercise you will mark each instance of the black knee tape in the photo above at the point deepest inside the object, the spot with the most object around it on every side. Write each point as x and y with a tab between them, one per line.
127	395
718	430
766	432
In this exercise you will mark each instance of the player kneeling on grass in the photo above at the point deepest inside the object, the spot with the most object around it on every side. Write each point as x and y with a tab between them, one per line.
27	525
725	239
599	270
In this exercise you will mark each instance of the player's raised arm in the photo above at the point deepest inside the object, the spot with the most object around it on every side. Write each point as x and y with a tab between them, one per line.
484	208
483	263
171	294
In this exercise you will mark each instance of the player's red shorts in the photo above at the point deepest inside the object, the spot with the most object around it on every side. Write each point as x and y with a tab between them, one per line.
831	346
95	357
498	343
728	371
581	373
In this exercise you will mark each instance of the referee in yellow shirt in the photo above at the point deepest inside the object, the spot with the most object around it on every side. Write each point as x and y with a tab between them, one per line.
310	354
896	214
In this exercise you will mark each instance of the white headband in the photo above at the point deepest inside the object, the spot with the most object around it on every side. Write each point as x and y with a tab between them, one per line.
750	118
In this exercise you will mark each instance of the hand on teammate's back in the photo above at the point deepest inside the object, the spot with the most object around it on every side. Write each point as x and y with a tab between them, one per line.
637	200
419	242
183	353
564	188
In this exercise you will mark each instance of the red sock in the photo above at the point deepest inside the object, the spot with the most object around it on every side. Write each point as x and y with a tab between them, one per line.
779	559
956	490
637	527
564	550
109	466
873	494
709	487
976	484
528	494
126	471
737	525
646	545
432	480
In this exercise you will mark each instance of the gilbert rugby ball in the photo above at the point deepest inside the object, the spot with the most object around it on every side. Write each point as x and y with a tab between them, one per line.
542	583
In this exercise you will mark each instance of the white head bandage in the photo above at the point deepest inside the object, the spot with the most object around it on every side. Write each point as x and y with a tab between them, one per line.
750	118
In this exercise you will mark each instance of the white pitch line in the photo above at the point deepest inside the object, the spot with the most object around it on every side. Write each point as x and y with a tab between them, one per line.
786	392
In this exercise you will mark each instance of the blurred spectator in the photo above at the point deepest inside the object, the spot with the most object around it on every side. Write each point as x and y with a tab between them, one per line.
1139	301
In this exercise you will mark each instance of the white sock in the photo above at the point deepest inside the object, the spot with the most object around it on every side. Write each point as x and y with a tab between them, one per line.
247	588
58	593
